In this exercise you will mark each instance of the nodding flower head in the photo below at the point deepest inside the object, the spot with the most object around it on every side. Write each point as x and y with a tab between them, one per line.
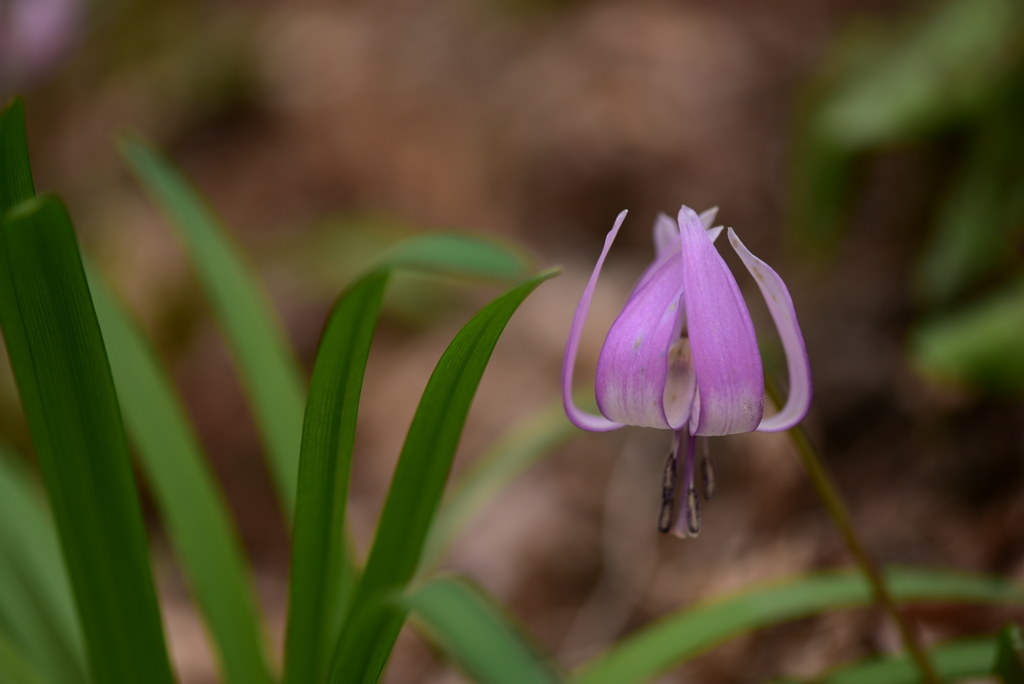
682	354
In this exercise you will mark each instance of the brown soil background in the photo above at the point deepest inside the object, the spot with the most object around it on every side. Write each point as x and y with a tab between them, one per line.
537	125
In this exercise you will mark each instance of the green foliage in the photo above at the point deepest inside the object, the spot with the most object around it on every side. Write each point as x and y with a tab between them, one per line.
475	633
679	637
60	366
190	503
1010	655
268	367
324	467
37	611
521	448
980	345
958	69
953	662
419	479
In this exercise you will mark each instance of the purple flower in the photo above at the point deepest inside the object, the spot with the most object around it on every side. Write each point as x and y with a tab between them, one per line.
682	354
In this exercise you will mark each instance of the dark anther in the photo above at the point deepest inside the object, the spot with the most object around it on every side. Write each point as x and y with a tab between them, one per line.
692	512
665	517
668	493
668	478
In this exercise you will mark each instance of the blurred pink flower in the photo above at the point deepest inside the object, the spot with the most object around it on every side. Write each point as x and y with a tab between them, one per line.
34	35
682	354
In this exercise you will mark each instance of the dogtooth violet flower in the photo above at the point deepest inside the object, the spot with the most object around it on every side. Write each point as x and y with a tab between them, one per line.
682	355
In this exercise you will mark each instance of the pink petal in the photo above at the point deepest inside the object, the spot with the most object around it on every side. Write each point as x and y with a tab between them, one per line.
727	362
707	218
780	304
666	236
578	417
633	368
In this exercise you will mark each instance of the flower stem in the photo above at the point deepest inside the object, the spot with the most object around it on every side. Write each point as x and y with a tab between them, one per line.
826	488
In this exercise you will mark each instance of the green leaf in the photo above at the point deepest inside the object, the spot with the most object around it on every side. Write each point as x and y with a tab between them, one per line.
466	256
474	632
524	445
14	669
373	623
950	65
15	174
36	603
269	370
983	215
190	503
677	638
324	467
61	369
953	662
1010	655
978	346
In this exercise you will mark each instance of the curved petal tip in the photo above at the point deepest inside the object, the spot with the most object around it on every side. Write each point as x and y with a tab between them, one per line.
780	305
578	417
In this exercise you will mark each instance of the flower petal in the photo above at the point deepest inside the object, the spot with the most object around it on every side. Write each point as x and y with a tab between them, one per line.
707	218
713	233
726	360
780	304
666	236
578	417
634	362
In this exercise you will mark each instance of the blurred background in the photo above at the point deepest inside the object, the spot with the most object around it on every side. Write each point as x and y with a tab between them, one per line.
872	151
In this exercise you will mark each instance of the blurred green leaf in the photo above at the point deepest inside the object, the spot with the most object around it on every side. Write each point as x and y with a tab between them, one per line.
269	370
1010	655
15	173
979	346
57	355
983	216
373	623
324	468
465	255
60	366
477	635
14	669
190	503
949	66
677	638
36	604
953	662
518	450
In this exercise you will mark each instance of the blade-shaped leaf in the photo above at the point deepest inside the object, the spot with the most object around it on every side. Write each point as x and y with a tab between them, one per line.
190	503
269	370
15	173
465	256
63	377
679	637
324	468
61	368
523	446
14	668
953	662
1010	655
416	489
474	632
35	600
979	345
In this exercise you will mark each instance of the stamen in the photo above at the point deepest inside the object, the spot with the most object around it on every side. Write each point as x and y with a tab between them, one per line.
692	512
668	491
707	473
684	526
665	517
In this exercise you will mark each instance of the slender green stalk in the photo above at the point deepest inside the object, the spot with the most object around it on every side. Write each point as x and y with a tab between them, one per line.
836	507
